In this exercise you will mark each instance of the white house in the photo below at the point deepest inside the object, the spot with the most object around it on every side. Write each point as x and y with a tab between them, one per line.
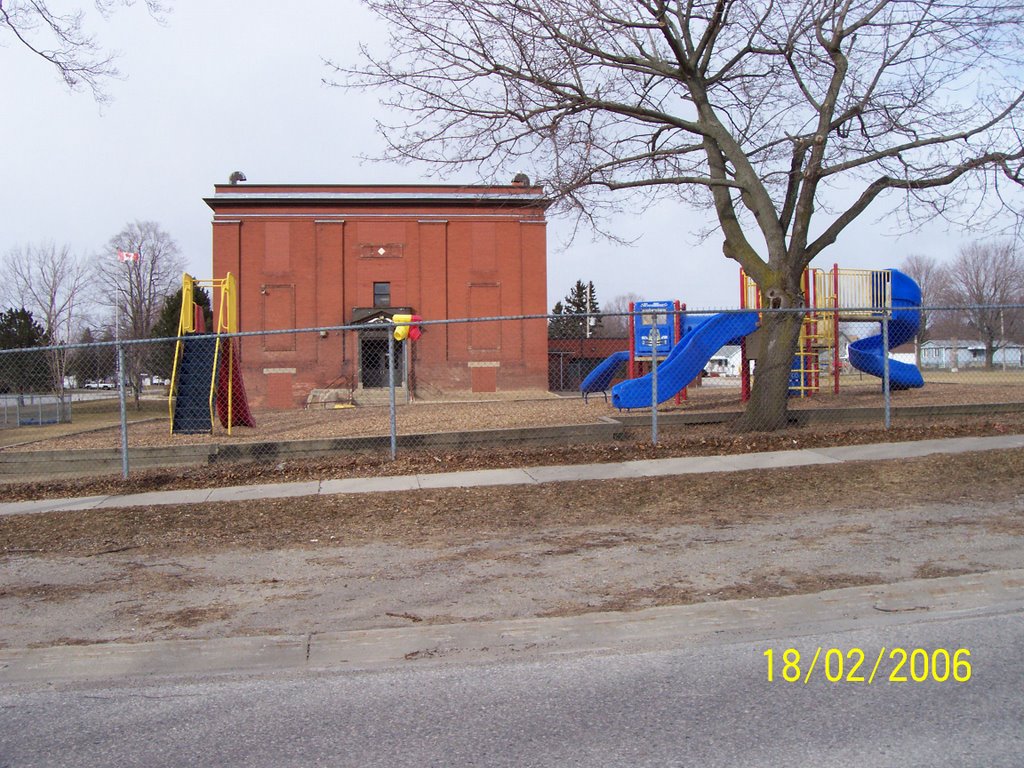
947	353
725	362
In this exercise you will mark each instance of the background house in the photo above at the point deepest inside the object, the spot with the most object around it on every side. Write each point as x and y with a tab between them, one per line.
949	353
726	361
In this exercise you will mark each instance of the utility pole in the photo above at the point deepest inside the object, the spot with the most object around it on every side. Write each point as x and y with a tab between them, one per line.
590	289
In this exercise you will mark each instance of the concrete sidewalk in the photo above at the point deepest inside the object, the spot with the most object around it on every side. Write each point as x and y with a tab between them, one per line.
649	629
531	475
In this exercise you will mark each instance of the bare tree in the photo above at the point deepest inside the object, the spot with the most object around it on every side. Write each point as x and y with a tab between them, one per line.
616	318
987	280
135	289
50	281
769	113
60	38
927	273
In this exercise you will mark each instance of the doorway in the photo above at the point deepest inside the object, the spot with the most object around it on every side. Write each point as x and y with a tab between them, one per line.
373	361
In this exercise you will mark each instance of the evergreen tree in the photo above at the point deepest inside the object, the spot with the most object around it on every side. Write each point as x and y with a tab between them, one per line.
569	321
22	371
560	327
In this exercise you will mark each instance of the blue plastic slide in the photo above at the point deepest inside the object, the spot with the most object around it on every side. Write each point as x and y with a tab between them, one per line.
867	355
599	379
687	359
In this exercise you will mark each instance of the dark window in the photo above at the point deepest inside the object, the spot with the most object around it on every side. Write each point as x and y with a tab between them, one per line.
382	294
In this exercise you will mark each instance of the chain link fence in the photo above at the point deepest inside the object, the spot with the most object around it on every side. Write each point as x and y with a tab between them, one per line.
349	396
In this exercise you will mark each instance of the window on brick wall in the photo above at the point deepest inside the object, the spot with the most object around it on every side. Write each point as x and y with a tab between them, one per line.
382	294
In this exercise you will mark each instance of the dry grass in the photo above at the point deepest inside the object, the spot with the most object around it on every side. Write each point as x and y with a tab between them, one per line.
455	516
101	415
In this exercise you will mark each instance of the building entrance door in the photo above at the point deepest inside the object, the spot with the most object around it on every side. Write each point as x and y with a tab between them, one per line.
373	356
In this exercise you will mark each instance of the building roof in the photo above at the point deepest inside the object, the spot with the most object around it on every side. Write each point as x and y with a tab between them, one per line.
728	350
356	196
582	347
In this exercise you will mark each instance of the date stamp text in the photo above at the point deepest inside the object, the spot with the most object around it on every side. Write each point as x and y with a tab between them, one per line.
854	665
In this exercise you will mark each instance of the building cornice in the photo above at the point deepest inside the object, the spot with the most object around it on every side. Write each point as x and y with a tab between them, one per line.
459	197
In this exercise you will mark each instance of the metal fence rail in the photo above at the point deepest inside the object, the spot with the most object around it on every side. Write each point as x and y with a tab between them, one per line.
487	384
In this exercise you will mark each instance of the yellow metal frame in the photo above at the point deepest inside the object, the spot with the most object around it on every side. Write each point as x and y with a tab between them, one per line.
832	296
225	289
853	291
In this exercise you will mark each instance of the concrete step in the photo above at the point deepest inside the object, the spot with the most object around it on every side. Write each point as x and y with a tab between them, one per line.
379	396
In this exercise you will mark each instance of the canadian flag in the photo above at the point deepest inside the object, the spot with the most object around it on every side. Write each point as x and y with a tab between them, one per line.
127	256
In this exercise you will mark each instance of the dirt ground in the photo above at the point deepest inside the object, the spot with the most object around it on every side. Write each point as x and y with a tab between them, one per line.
333	563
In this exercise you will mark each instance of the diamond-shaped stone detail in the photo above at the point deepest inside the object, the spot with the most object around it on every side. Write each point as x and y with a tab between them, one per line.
381	251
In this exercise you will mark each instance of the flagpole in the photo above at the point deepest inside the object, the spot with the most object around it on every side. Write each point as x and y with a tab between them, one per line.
117	327
124	257
119	369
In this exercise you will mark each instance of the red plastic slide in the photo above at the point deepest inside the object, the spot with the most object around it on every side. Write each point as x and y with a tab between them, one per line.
230	369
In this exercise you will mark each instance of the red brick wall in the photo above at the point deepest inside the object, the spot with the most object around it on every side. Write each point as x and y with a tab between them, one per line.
308	256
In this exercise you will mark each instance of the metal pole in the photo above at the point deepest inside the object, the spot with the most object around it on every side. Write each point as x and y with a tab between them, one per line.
1002	334
590	287
124	411
117	332
391	392
655	343
885	369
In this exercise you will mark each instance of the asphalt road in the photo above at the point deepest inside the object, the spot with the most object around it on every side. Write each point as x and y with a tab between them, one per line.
706	703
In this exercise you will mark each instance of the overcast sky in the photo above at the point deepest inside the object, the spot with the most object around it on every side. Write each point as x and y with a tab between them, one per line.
236	85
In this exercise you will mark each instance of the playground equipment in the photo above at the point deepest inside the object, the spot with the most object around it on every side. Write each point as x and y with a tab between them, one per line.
407	327
833	296
868	354
207	373
699	342
654	327
599	379
843	295
663	336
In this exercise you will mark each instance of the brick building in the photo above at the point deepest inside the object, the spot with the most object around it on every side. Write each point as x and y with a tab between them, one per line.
307	256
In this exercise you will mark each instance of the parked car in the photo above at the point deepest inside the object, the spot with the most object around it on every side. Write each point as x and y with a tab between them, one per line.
98	385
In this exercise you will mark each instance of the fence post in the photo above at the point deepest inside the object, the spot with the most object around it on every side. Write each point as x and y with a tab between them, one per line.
655	343
885	368
124	411
391	392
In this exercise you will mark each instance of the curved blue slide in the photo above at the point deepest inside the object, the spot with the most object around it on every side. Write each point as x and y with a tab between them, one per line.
599	379
687	359
867	354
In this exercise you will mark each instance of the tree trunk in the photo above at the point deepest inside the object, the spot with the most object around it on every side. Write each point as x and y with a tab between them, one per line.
137	390
766	410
